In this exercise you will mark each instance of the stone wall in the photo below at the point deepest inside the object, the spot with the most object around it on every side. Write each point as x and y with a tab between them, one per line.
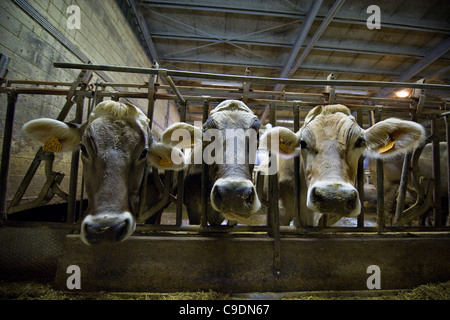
104	37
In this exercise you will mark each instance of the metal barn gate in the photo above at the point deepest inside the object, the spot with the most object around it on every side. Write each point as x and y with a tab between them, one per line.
241	258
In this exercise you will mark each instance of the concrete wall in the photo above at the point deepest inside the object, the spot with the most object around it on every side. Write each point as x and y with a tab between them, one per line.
104	38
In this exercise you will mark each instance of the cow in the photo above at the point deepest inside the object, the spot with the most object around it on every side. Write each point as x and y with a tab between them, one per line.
115	143
230	187
330	143
392	169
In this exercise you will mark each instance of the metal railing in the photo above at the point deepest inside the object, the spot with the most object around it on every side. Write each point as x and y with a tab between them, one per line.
81	90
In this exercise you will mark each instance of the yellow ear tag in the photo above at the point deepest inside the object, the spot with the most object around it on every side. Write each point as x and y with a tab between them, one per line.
285	148
387	147
52	145
165	162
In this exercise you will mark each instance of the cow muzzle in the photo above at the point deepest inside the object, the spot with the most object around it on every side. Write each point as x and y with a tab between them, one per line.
107	227
334	198
236	199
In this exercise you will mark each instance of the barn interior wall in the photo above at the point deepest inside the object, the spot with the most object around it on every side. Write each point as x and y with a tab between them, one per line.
104	37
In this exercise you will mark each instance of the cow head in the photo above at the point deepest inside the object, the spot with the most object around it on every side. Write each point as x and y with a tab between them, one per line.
331	143
115	144
231	133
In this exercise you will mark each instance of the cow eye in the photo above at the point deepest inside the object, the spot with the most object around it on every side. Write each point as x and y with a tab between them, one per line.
210	123
359	142
143	154
83	150
303	144
256	124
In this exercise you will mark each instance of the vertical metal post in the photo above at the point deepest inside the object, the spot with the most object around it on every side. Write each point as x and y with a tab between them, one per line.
360	174
274	218
72	199
447	136
150	108
406	169
180	175
205	173
437	212
380	184
6	151
296	112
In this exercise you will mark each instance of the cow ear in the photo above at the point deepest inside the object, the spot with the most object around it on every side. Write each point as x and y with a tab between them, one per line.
392	137
166	157
281	141
54	135
181	135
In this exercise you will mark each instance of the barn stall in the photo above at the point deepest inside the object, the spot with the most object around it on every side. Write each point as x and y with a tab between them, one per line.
281	59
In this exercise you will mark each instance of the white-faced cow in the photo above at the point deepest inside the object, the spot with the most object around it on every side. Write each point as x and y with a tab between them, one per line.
231	131
115	144
330	143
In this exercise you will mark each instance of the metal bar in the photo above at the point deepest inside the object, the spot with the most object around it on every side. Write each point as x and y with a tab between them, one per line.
6	152
360	175
297	224
426	61
180	176
175	89
402	188
150	108
380	185
334	9
145	33
250	79
72	200
205	173
437	212
273	211
347	18
447	137
406	168
301	36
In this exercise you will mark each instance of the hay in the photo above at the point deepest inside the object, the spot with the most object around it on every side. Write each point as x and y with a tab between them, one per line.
439	291
41	290
36	290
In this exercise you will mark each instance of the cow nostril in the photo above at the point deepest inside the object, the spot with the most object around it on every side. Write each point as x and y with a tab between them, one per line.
249	195
318	193
217	196
122	230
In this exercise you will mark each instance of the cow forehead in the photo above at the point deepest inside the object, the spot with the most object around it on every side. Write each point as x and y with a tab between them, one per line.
120	134
231	105
338	126
232	114
233	119
117	122
119	111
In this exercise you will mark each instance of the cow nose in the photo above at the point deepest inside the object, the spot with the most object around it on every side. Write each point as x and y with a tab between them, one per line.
227	194
330	199
106	229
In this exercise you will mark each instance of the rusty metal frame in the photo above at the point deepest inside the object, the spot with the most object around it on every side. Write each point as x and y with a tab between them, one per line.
183	97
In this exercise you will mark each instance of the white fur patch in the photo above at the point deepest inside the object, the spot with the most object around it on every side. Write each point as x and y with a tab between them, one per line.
231	105
119	111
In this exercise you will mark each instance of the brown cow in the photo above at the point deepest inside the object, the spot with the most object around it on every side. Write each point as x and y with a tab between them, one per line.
330	143
115	144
